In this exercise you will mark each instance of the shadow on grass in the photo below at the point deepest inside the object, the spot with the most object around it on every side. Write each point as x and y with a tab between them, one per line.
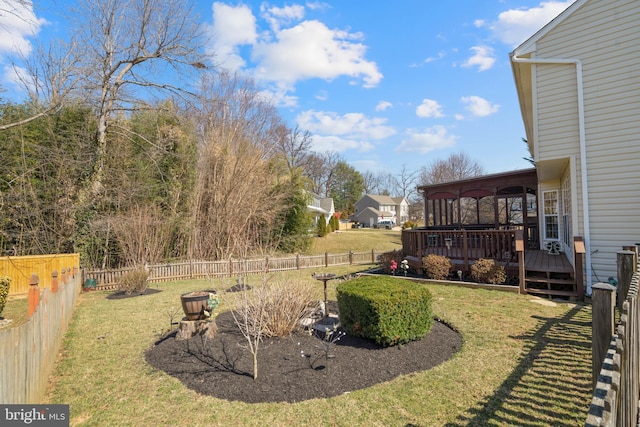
551	385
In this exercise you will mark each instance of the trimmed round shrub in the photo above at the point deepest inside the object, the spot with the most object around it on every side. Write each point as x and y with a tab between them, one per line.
488	271
5	283
436	267
385	310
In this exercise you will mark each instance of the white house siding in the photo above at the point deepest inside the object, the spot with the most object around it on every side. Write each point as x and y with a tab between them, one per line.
604	35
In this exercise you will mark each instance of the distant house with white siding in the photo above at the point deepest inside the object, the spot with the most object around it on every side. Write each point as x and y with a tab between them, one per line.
578	82
371	209
319	206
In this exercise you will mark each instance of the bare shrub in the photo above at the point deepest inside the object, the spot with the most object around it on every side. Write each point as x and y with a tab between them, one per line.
436	266
287	303
488	271
134	281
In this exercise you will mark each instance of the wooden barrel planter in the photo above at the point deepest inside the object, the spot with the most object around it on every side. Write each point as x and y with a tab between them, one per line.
194	304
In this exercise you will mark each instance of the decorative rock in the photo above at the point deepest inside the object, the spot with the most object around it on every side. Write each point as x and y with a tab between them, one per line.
190	328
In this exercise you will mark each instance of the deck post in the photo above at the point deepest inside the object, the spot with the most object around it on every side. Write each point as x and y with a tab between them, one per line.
603	299
578	253
520	251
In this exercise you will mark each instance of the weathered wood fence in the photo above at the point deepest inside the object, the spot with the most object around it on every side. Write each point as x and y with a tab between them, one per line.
616	351
28	352
194	269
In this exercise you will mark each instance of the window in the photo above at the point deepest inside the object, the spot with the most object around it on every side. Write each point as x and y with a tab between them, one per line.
551	220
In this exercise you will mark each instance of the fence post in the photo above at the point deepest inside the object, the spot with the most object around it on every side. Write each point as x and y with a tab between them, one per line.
634	249
350	257
34	293
373	257
603	299
326	259
297	261
626	268
54	281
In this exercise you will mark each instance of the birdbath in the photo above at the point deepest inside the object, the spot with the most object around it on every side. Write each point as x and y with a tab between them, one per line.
325	277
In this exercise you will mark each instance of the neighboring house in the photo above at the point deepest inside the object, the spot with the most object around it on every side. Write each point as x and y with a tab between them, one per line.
371	209
319	206
578	82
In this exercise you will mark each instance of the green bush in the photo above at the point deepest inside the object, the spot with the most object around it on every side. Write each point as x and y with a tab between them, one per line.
385	310
5	283
323	230
488	271
334	222
436	266
134	281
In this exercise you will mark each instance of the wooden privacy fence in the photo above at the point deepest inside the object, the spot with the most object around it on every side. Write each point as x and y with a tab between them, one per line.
20	269
28	351
194	269
616	351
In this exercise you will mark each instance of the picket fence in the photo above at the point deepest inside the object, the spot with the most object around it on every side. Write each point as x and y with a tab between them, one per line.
616	350
194	269
28	352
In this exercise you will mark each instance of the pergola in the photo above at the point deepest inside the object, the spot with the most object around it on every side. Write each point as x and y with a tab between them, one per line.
443	202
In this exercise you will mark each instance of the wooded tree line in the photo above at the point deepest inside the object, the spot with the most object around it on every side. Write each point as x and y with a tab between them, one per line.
110	157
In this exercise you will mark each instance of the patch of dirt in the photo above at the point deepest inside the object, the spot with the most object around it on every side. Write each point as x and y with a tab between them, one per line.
294	368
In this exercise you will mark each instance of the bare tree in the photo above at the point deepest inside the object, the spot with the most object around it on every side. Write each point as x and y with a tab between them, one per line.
455	167
320	167
235	202
131	47
294	145
406	183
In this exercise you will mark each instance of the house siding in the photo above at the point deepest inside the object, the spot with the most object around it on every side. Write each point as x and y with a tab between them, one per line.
604	36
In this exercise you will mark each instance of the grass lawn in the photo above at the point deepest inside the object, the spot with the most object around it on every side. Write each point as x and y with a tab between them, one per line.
522	363
357	240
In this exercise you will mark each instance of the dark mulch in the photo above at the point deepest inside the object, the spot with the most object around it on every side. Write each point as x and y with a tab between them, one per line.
123	294
294	368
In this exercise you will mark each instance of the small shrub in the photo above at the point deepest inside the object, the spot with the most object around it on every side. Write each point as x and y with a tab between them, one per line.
488	271
436	267
322	228
285	304
409	224
385	260
134	281
5	283
384	310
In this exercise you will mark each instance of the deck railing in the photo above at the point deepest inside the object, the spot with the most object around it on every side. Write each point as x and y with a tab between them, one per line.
461	245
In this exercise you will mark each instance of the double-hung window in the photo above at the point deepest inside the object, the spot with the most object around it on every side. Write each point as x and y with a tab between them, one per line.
551	220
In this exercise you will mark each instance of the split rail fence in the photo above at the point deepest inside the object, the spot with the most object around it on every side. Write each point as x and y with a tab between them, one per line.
194	269
616	348
28	352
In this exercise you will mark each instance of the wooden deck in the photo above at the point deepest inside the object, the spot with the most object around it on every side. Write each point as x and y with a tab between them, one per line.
538	260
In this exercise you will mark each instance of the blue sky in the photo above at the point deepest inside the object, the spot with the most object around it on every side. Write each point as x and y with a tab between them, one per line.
384	84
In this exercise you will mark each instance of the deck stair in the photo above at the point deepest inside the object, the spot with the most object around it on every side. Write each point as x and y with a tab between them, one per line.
549	275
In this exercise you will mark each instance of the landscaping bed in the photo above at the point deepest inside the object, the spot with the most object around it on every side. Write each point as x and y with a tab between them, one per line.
294	368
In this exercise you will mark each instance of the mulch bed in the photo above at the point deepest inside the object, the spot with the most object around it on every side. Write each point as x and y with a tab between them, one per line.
294	368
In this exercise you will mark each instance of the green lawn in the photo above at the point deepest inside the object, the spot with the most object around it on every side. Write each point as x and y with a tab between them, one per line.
357	240
522	363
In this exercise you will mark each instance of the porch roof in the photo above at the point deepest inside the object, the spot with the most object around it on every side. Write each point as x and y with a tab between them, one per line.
504	183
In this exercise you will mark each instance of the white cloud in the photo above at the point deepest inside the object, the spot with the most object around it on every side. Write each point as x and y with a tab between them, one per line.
351	125
429	108
277	16
17	23
383	105
232	27
431	139
514	26
312	50
320	143
483	57
478	23
478	106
